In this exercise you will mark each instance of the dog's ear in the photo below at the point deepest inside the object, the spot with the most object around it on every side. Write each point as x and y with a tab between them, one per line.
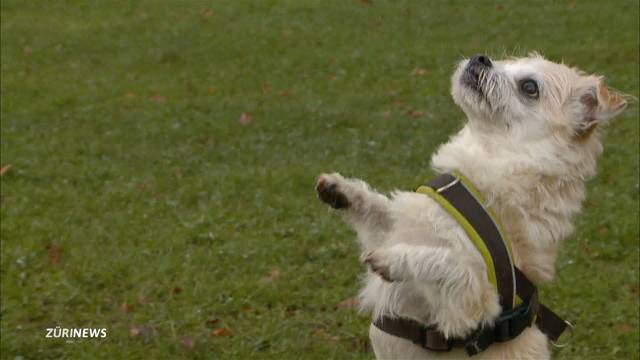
599	104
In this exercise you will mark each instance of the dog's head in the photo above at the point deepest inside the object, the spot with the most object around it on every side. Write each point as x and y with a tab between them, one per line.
531	98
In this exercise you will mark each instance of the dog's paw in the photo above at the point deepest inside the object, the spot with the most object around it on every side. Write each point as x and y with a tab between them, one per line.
331	192
381	263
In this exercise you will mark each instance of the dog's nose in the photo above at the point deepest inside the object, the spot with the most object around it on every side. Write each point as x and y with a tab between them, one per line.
480	60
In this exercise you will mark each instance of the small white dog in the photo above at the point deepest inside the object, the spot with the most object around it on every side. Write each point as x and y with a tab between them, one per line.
530	142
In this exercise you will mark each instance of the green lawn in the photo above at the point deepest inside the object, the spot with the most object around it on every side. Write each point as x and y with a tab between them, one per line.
140	200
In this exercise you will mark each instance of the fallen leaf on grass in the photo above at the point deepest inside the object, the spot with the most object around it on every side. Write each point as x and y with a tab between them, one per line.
321	333
186	342
245	118
211	323
351	303
53	253
136	331
4	168
273	276
291	310
415	113
624	328
206	13
159	98
176	290
418	72
397	104
223	331
125	308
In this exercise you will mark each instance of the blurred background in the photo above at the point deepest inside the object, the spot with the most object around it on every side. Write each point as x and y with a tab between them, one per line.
158	160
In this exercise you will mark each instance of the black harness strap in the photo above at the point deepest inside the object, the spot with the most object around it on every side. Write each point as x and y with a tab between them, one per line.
452	189
547	321
513	320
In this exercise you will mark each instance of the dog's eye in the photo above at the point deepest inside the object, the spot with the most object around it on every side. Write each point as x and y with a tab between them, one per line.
530	88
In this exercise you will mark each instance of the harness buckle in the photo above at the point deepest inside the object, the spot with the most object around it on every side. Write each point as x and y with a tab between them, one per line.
512	323
434	341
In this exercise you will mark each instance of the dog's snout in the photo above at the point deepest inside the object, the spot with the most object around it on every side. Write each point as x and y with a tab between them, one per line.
480	60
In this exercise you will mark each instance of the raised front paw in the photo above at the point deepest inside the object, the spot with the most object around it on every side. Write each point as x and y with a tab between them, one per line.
331	192
382	263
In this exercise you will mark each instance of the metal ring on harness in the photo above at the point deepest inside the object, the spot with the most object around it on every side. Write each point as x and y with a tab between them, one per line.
570	327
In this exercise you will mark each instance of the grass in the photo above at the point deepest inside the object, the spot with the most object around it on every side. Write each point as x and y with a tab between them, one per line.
136	200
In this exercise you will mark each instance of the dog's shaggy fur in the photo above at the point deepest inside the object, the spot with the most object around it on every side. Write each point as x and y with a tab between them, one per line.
530	142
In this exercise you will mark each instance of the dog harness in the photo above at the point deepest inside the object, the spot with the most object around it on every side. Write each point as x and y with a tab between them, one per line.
518	296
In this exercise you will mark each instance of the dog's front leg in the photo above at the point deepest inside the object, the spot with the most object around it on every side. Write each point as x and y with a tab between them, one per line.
365	209
464	297
417	262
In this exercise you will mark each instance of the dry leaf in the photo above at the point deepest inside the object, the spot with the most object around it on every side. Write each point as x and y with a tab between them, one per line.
4	168
54	252
418	72
135	331
141	331
291	310
176	290
223	331
245	118
415	113
320	333
397	103
272	277
206	13
624	328
125	308
211	323
186	342
350	303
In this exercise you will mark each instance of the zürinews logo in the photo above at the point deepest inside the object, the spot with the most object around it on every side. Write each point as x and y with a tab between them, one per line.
75	333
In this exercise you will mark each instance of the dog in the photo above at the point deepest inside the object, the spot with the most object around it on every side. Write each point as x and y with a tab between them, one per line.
531	140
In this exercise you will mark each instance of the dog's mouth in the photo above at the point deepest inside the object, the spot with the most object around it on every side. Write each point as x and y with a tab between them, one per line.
471	79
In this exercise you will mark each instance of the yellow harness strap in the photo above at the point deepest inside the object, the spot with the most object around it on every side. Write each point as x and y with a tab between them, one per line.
443	190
